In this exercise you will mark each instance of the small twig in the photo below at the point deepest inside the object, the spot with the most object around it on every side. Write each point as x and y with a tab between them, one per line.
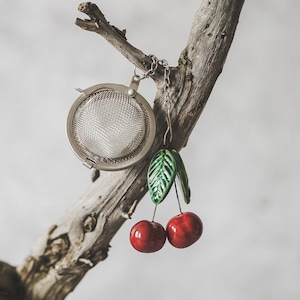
116	37
86	261
92	11
95	175
98	17
127	215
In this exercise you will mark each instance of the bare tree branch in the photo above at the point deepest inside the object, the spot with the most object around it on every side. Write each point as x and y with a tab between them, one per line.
98	23
81	238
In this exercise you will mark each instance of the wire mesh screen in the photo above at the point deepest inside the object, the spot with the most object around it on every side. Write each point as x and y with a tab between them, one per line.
110	126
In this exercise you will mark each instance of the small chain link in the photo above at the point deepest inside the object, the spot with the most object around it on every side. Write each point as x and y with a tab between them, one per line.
153	66
151	71
166	67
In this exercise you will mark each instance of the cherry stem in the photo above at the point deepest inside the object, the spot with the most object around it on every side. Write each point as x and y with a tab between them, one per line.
154	213
177	196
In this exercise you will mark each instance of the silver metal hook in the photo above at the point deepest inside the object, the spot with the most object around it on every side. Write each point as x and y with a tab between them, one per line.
137	76
134	72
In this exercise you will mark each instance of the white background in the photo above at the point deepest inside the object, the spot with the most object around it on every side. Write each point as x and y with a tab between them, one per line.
242	158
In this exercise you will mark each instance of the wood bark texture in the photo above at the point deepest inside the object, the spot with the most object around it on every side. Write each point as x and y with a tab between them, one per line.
80	240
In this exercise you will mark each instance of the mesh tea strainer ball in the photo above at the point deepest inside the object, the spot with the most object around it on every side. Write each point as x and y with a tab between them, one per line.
111	126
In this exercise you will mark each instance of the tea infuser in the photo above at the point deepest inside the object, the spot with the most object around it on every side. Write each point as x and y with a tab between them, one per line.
111	126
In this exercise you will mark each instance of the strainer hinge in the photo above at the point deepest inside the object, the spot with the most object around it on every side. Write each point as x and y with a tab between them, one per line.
89	163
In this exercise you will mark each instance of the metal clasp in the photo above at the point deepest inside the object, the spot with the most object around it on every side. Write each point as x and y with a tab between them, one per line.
134	84
89	163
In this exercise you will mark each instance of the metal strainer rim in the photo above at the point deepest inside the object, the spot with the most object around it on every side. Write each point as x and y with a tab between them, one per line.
100	163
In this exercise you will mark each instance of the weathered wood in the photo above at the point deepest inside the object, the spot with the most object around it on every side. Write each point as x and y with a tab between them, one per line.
81	238
11	286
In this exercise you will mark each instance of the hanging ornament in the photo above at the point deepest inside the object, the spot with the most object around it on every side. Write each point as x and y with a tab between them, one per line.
165	167
111	126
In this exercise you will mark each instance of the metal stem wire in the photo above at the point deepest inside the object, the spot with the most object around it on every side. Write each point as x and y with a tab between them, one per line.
167	102
154	213
169	129
177	196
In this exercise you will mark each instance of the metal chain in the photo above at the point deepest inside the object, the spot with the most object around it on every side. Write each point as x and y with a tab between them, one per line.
167	100
153	66
151	71
166	67
166	90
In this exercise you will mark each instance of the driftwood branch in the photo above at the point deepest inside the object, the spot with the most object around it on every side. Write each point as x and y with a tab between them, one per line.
81	239
116	37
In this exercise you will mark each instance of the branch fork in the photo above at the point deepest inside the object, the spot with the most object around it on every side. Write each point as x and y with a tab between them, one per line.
98	24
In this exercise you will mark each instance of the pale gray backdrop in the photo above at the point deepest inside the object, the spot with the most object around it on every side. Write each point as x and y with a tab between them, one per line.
242	158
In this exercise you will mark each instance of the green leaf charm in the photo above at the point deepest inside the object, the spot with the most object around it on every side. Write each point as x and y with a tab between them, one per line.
161	175
182	176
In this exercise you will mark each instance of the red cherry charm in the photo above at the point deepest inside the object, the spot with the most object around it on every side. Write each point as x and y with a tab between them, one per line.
147	237
184	230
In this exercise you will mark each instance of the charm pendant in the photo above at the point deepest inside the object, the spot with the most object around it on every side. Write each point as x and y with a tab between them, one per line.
165	167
